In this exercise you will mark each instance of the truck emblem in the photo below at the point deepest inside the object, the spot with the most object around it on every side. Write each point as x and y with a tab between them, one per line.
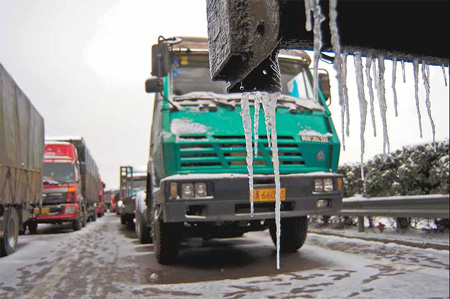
320	156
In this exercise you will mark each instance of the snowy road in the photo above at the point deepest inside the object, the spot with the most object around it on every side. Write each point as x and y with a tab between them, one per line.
106	260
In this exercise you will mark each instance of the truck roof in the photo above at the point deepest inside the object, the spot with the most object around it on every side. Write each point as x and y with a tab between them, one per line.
63	138
200	44
57	142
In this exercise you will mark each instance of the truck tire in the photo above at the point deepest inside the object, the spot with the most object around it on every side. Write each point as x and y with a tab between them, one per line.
123	219
8	242
293	233
166	241
32	226
84	217
142	230
77	224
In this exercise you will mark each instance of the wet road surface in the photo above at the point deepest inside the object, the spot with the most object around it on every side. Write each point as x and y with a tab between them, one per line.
105	260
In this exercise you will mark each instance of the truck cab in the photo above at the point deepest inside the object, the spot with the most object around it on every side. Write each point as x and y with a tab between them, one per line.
62	199
198	176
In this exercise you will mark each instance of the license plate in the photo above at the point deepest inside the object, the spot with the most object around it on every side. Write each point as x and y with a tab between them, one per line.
37	211
267	194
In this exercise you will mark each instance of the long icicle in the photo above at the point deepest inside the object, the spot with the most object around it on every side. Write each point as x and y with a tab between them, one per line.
426	82
269	102
247	122
362	106
383	106
318	19
371	95
416	92
394	79
337	63
445	74
345	91
257	105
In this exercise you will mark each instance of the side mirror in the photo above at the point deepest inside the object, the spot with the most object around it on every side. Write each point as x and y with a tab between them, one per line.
83	168
324	85
160	60
154	85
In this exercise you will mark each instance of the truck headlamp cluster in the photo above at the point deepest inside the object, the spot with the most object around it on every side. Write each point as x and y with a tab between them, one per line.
324	185
69	210
188	190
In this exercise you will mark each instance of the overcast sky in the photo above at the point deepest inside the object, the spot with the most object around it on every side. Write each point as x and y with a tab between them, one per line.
83	64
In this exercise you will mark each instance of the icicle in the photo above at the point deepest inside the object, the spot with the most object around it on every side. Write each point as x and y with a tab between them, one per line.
403	71
445	74
362	104
371	95
335	42
345	91
308	10
247	122
426	82
257	104
382	100
394	79
318	19
416	90
269	104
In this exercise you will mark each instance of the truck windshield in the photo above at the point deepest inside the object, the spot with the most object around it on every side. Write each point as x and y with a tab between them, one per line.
58	173
139	185
190	73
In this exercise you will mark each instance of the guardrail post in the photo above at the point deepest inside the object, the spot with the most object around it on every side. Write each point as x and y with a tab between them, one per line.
361	227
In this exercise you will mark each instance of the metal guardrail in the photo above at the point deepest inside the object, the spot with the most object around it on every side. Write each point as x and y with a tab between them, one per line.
426	206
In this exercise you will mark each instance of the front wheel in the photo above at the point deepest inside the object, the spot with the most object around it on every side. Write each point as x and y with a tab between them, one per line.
166	240
84	217
32	226
293	233
142	230
8	242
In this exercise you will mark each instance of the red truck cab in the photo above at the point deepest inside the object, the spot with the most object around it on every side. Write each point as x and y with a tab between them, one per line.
62	199
101	206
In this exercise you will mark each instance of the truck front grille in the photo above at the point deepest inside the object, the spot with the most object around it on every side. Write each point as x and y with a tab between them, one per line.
55	198
230	152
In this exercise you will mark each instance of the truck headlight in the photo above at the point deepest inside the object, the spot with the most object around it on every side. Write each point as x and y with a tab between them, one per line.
328	185
318	185
69	210
187	191
200	190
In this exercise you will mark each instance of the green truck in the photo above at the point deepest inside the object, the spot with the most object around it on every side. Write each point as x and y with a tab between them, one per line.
198	181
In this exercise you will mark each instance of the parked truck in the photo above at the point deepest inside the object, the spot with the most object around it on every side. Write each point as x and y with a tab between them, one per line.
71	184
21	153
198	181
131	182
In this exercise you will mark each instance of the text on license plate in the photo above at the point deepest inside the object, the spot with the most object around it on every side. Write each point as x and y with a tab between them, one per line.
37	211
267	194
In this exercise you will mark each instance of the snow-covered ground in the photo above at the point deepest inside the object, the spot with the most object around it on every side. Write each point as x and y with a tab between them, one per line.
427	238
104	260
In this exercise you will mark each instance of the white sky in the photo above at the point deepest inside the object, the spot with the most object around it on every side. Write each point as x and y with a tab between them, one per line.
83	64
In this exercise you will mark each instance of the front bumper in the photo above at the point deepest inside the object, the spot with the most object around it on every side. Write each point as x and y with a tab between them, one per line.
55	213
231	202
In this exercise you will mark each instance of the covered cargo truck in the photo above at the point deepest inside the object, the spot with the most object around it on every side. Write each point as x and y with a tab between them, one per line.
90	177
21	154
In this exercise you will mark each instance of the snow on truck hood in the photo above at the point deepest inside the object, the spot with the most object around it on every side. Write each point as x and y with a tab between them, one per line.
185	126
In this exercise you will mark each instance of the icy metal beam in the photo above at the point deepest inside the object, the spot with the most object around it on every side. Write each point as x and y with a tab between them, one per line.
244	34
